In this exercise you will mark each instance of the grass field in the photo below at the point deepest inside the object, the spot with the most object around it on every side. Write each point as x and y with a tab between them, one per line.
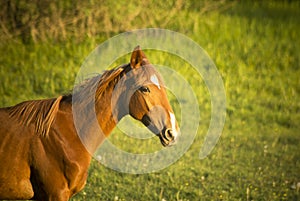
255	46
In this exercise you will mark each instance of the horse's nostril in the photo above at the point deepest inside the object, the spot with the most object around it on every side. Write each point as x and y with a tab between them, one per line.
169	134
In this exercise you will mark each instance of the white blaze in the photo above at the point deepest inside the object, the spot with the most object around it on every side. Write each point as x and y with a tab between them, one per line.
154	79
173	123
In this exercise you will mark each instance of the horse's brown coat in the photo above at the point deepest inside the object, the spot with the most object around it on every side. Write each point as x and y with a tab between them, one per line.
41	155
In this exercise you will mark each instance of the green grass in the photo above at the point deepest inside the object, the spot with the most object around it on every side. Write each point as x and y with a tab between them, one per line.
255	47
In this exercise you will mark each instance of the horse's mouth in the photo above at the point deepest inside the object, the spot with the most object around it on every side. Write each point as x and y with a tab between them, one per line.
167	136
165	140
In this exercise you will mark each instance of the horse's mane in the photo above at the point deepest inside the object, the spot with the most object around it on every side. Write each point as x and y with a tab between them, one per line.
109	77
39	112
42	113
97	84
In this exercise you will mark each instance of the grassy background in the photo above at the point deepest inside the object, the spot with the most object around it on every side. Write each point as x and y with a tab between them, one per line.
255	46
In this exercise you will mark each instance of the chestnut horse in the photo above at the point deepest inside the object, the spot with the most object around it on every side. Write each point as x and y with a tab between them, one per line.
42	156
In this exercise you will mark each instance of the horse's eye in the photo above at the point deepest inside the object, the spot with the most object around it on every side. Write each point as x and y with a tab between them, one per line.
144	89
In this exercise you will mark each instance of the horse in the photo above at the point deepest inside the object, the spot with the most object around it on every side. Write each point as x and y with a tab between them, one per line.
42	156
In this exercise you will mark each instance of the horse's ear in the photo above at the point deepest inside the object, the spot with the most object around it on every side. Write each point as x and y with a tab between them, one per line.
138	58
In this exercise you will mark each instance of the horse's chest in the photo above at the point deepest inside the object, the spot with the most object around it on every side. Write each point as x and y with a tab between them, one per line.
76	173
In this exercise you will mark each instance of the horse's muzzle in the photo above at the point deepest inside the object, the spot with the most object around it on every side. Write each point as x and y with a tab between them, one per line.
168	137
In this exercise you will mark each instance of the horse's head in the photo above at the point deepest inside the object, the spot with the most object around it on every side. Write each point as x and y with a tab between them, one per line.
148	102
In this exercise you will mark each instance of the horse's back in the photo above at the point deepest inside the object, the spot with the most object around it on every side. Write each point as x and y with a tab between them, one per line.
14	158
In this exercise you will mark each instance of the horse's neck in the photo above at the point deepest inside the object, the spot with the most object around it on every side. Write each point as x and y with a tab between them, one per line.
94	123
103	107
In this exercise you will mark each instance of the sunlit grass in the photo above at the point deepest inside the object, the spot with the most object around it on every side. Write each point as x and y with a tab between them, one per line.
255	48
